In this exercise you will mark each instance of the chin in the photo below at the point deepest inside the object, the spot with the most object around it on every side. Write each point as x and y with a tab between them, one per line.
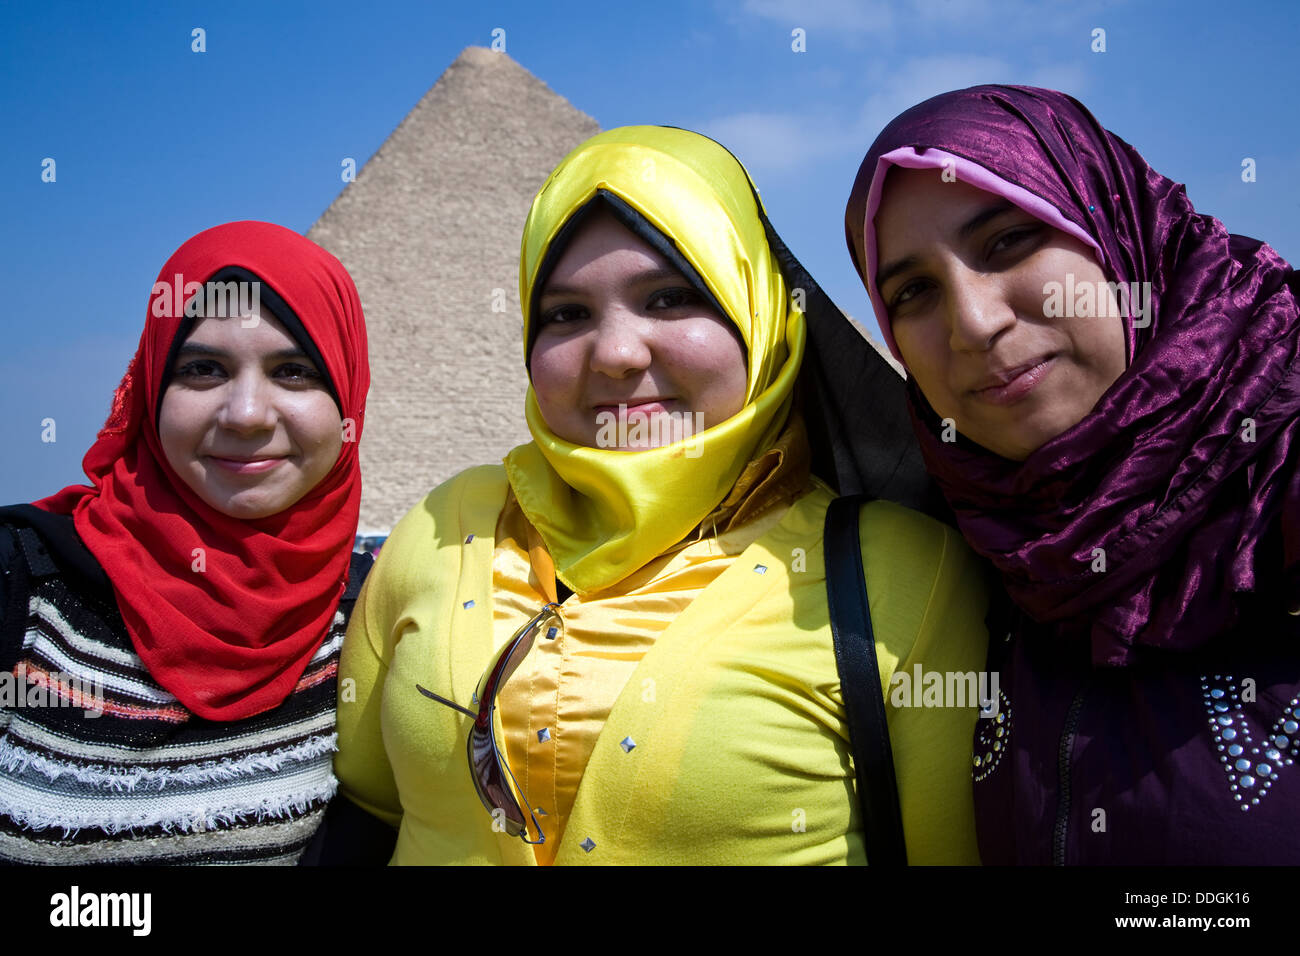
246	512
247	508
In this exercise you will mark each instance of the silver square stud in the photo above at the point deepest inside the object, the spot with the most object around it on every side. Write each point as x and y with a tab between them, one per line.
627	743
760	569
588	844
467	605
544	734
469	538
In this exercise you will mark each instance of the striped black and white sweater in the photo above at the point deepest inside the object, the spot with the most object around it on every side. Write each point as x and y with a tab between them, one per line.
101	765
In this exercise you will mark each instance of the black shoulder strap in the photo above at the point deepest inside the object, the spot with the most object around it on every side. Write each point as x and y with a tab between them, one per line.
9	557
864	702
13	597
34	551
359	566
24	558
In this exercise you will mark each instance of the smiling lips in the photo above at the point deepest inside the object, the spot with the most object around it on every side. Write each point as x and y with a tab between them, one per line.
1011	385
245	466
646	406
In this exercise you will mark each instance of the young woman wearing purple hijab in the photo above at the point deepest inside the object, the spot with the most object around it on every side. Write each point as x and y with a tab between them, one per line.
1105	385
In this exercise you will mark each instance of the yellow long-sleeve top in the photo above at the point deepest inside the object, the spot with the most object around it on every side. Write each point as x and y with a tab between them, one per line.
714	661
555	706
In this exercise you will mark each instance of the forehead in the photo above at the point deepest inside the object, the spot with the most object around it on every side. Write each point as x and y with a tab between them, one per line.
918	205
605	241
230	333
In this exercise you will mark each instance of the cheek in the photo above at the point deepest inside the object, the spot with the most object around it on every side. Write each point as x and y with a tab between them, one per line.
713	355
1100	345
1111	348
182	423
925	354
553	372
1100	340
319	430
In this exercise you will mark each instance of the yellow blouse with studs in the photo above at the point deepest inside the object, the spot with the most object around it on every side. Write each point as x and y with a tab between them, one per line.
692	711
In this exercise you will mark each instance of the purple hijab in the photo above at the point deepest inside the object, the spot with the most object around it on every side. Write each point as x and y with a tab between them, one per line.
1163	474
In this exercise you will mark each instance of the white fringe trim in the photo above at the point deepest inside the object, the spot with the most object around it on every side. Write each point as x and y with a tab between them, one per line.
285	806
16	760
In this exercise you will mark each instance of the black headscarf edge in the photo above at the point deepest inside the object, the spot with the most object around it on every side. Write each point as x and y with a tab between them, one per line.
279	309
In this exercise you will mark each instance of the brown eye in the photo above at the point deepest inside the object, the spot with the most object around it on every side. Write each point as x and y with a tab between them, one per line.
673	299
200	369
295	372
562	315
1013	240
907	293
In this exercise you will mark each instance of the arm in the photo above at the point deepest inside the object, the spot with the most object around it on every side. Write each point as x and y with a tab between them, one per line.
928	598
357	831
365	777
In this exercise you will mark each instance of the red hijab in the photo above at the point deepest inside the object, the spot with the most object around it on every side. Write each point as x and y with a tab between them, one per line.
229	641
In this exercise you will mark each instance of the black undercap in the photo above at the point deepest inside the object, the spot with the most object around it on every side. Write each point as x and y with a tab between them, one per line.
639	226
280	310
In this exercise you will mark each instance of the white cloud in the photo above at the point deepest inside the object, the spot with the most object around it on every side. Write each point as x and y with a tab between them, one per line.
853	16
874	16
776	142
918	79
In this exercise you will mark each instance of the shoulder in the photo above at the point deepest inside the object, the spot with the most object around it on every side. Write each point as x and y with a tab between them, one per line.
425	545
913	542
921	576
28	528
912	553
927	590
40	550
45	543
899	543
464	499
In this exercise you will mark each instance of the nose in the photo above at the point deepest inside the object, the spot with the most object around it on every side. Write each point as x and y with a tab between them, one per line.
978	311
248	407
621	344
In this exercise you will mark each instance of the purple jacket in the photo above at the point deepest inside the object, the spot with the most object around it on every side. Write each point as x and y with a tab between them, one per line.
1179	759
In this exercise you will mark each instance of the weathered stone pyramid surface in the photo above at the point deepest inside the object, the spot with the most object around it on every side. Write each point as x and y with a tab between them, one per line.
429	231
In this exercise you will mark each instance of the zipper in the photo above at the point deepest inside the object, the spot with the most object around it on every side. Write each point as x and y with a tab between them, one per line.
1063	778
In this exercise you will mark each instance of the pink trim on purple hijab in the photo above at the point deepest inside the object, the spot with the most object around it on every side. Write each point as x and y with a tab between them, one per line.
1185	477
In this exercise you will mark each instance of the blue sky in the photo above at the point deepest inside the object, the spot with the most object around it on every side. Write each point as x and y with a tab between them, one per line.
153	142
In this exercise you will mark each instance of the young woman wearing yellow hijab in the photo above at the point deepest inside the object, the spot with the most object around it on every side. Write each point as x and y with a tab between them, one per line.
674	697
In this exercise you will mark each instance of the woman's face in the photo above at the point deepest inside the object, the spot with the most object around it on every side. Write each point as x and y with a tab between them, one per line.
964	276
247	420
618	326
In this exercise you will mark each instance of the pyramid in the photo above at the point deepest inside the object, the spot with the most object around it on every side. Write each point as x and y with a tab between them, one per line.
430	232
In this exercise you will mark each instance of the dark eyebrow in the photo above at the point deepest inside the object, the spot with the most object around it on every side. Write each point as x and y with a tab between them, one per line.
983	216
641	278
893	269
199	349
968	228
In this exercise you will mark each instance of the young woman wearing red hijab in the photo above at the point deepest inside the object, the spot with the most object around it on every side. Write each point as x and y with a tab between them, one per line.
169	634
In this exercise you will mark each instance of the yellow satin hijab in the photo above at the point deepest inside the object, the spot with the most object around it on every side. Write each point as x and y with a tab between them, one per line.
605	513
